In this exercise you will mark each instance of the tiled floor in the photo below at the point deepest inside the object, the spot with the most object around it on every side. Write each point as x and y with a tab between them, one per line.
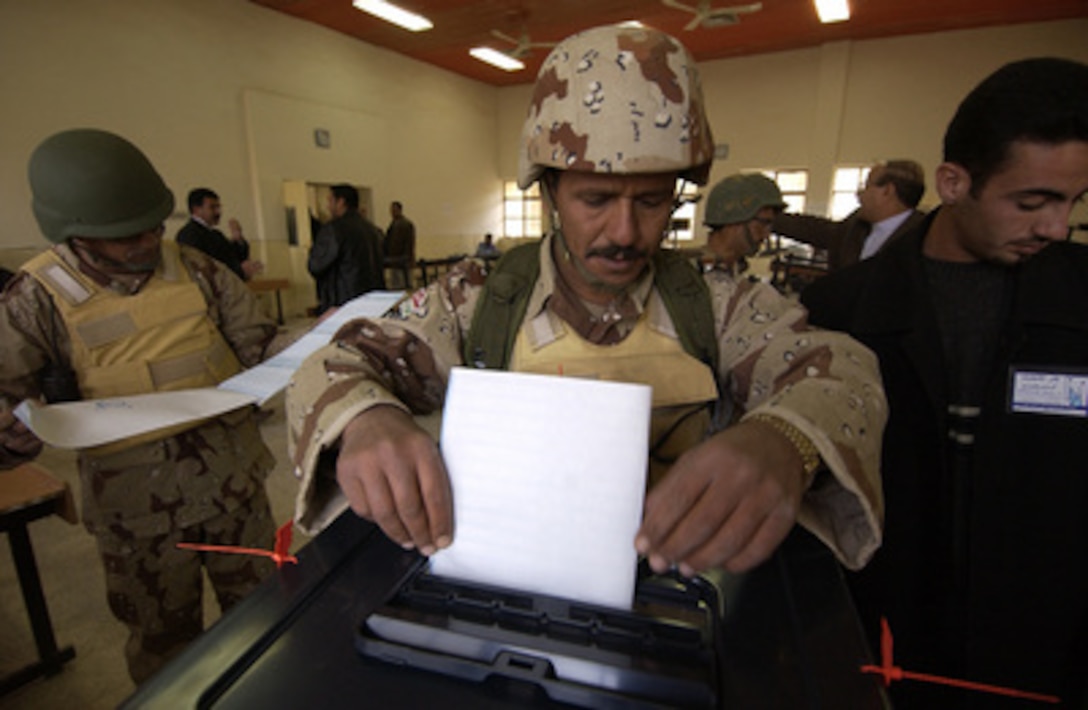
72	578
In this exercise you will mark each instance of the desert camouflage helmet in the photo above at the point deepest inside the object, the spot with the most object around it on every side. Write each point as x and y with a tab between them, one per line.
90	183
617	100
738	198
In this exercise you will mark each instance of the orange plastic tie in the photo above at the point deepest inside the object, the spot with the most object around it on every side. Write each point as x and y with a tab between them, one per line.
278	553
889	672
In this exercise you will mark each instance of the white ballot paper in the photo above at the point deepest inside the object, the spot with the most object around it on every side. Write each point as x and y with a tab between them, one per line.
270	377
79	425
548	476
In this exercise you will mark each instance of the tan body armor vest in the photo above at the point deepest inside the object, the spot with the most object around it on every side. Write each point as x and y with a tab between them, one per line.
157	340
684	390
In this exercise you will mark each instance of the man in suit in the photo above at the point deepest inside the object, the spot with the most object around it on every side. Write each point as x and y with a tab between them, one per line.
979	322
200	232
888	201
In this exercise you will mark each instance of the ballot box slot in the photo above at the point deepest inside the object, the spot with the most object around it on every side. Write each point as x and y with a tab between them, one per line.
661	653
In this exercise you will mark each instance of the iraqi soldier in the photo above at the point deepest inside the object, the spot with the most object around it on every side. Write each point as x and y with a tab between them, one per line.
739	213
112	310
758	420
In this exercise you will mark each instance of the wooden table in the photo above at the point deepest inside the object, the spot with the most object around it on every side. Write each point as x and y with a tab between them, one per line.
274	286
27	493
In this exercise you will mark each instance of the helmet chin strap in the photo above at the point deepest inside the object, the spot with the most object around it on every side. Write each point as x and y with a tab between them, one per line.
753	244
110	266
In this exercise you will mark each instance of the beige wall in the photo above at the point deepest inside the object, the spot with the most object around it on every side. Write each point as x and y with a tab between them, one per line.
857	102
227	94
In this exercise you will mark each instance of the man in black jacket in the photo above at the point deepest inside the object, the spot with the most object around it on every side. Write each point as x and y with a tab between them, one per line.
979	320
200	232
346	256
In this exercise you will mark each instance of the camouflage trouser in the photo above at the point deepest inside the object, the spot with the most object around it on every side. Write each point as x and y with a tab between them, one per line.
156	589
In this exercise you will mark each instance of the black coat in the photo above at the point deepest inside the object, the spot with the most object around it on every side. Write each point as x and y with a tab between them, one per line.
215	244
843	240
346	260
985	578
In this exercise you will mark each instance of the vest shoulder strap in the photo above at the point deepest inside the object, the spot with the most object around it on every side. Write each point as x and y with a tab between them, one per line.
502	305
505	297
687	300
51	271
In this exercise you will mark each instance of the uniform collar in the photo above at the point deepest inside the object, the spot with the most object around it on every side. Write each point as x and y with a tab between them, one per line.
582	317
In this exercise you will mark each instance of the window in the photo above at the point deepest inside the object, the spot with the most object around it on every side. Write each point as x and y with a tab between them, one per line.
521	211
682	224
844	190
793	184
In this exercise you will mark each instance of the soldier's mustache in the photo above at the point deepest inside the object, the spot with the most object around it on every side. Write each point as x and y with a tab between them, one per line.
618	253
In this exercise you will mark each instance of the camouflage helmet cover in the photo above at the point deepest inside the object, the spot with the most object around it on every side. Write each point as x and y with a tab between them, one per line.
617	100
738	198
94	184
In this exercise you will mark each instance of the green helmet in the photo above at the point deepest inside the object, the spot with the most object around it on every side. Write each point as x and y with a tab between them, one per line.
738	198
94	184
617	100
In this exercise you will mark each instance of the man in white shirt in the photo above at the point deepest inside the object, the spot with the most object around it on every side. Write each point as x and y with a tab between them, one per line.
887	209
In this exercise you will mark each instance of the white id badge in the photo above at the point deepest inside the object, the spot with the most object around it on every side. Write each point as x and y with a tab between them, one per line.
1059	392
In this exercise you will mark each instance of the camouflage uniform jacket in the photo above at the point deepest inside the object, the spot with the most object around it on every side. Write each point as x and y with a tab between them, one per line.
168	483
770	361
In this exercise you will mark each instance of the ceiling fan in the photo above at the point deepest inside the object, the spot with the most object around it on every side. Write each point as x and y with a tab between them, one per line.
710	17
523	46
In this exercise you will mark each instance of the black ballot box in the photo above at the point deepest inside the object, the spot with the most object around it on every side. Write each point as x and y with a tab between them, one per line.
351	625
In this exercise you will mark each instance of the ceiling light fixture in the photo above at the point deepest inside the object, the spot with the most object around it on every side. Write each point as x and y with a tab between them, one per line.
397	15
833	10
496	58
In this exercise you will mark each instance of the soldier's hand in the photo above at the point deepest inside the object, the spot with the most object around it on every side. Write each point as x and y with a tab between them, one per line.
728	502
392	473
16	438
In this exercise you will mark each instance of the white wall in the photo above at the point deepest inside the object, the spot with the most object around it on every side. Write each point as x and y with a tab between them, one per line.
226	94
858	102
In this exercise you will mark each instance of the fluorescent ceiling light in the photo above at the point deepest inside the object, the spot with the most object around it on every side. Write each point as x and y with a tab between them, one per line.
496	58
397	15
833	10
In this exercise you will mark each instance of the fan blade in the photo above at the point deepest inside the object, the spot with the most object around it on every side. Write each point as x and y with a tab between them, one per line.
678	5
742	9
695	22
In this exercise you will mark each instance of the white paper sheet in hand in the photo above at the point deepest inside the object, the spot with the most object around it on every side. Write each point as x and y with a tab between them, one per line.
548	476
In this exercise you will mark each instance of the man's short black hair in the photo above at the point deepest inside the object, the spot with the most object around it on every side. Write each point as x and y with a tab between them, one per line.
1042	100
348	194
198	195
